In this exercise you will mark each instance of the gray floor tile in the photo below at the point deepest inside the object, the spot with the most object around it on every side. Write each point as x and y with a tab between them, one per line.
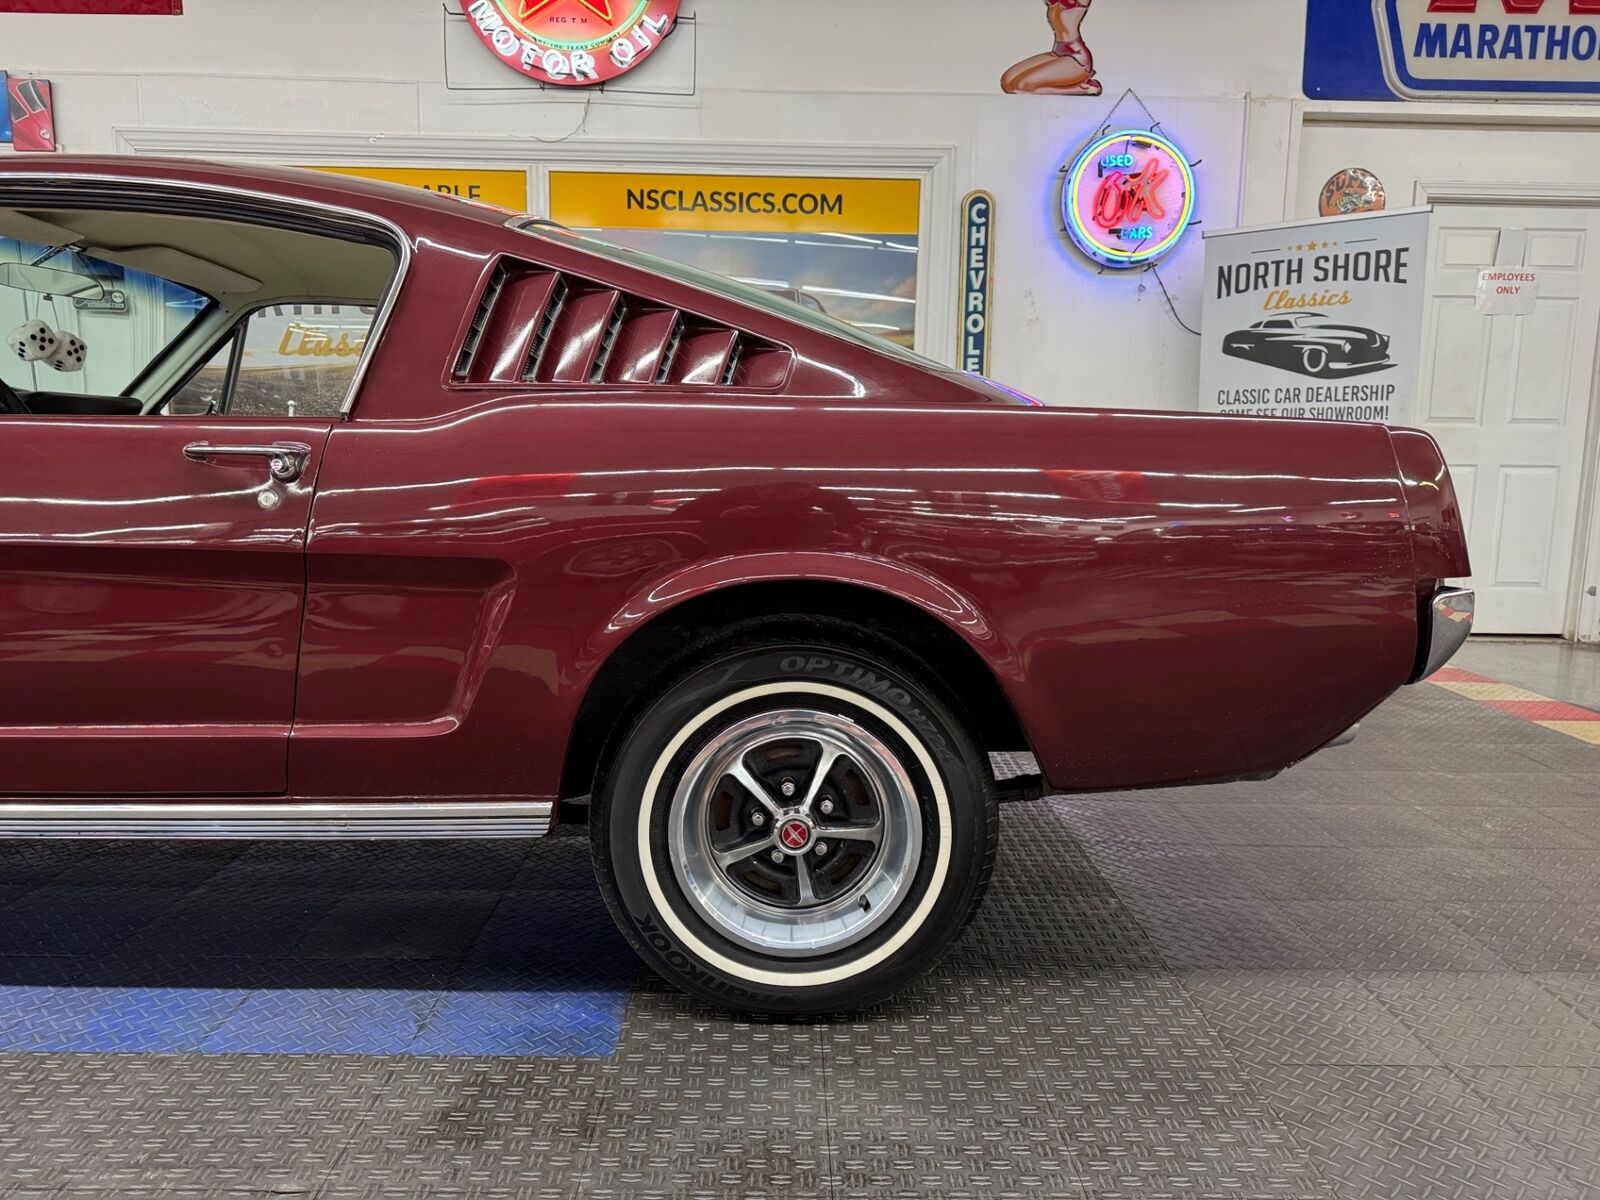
1391	935
1304	1018
1385	873
1554	1111
1488	1019
1205	935
1534	937
1408	1133
1380	825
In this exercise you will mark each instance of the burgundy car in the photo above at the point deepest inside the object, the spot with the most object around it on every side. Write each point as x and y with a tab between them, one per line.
335	510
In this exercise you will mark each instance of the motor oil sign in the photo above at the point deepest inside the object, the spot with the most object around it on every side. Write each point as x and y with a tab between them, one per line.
1320	319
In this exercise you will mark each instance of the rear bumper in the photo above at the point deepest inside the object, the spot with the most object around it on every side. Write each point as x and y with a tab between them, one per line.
1450	621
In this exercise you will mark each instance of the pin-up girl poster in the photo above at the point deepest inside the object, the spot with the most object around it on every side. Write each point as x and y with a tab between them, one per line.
1067	68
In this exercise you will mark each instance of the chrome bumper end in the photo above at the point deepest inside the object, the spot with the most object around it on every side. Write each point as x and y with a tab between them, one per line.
1452	611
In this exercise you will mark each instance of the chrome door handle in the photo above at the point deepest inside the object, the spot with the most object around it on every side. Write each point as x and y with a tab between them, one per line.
285	462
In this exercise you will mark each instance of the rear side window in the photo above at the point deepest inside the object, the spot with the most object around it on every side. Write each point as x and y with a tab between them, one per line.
299	360
289	360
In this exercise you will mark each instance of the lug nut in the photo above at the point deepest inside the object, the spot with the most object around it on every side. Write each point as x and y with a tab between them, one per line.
758	817
787	787
827	807
777	856
822	848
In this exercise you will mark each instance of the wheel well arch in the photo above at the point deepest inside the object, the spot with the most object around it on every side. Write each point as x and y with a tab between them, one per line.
691	629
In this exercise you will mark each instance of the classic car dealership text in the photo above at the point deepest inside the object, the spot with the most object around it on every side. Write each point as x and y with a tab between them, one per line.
715	598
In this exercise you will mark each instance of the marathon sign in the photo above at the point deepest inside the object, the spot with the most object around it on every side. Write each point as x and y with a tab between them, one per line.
1468	47
1453	49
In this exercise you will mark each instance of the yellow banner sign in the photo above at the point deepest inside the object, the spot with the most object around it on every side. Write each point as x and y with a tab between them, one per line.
735	203
507	189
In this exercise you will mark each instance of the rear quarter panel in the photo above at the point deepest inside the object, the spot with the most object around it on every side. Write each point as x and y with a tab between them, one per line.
1164	598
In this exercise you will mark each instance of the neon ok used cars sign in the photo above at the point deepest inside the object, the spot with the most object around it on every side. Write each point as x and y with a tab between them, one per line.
572	43
1128	198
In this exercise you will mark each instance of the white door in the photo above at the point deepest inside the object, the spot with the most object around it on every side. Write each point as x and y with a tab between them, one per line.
1509	399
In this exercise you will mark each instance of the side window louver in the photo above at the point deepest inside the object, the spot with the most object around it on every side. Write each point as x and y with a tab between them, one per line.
480	322
669	352
547	325
608	341
533	325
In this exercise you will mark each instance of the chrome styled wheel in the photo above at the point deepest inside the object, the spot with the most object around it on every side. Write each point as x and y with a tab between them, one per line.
795	832
791	826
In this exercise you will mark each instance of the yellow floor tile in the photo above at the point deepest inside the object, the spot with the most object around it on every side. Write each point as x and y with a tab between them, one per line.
1492	691
1584	731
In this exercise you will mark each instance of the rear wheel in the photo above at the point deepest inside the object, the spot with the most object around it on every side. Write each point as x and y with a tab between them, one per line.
795	827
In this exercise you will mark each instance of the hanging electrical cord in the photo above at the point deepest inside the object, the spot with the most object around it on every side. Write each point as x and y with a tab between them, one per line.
1170	304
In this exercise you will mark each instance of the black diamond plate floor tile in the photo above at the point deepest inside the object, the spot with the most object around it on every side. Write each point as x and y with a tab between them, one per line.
1158	1161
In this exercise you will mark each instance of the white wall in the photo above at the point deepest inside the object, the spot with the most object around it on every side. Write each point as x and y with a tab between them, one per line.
835	72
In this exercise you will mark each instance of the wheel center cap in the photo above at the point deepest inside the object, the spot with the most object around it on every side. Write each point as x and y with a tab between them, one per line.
795	834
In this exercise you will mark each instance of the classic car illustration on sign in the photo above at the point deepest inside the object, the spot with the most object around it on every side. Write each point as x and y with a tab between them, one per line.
542	529
1310	343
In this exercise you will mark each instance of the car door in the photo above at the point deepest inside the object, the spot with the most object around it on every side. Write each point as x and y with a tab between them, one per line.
170	387
152	582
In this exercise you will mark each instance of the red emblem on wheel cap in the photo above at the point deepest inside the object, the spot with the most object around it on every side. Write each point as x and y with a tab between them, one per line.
572	43
795	835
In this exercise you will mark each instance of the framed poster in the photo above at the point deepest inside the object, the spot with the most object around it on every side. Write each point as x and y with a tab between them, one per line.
1318	319
845	247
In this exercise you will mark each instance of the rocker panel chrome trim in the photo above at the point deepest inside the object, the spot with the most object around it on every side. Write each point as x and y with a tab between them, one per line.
277	822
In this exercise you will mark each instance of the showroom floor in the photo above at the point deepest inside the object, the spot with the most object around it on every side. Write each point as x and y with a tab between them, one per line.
1377	976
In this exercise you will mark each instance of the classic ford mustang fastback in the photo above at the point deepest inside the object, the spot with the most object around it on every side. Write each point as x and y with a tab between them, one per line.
332	509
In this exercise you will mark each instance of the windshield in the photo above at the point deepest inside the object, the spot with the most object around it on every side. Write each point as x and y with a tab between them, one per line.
122	319
809	315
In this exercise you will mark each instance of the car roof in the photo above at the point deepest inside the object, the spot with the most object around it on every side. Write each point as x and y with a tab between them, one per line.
415	210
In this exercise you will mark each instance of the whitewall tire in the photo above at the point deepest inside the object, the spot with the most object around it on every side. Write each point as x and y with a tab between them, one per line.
794	828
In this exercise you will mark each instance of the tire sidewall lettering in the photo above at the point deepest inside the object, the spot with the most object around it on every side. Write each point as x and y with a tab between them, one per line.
859	677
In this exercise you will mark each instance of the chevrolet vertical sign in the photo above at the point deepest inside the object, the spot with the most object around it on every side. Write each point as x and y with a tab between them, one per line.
977	281
1453	49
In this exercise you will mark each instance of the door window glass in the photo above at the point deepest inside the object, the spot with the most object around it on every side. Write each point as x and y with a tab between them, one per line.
206	392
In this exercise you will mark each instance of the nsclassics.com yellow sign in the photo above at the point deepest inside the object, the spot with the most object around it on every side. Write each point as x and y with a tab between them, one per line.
735	203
